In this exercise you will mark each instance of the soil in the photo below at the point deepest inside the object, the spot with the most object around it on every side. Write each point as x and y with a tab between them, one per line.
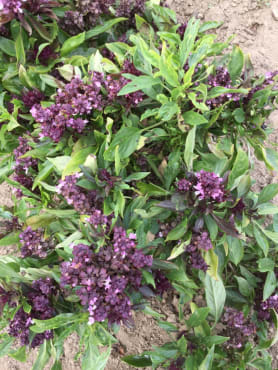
255	25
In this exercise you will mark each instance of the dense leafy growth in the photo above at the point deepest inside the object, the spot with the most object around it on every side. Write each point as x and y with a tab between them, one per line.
128	141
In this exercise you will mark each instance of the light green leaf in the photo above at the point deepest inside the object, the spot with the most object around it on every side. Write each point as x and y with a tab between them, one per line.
189	148
193	118
72	43
236	63
215	296
240	166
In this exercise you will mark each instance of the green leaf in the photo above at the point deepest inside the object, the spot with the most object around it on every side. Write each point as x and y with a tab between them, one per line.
10	239
214	339
103	28
41	220
168	110
268	193
207	362
236	63
198	316
267	209
215	296
245	289
72	43
19	355
5	346
60	163
76	160
265	264
212	226
193	118
49	80
236	251
43	174
178	231
58	321
19	49
127	139
136	176
43	356
239	115
240	166
270	234
209	25
168	72
138	83
138	360
93	359
7	46
261	240
152	190
188	41
189	148
270	285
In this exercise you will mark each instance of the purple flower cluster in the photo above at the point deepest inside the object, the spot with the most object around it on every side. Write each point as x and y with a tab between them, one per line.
181	30
12	6
239	329
200	241
128	9
184	185
162	284
209	186
32	97
114	85
221	78
34	244
269	80
15	8
41	308
4	32
85	16
82	200
45	55
101	279
266	306
72	102
100	222
23	166
206	185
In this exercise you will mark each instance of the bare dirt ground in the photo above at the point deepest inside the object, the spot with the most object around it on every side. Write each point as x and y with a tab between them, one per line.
255	24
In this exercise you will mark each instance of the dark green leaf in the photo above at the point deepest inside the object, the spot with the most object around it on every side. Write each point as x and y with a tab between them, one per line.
138	360
103	28
268	193
10	239
270	285
198	316
266	264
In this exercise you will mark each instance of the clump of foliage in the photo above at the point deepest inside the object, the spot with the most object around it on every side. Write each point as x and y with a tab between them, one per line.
127	140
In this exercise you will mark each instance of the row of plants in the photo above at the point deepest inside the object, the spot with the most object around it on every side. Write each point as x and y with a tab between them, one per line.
128	140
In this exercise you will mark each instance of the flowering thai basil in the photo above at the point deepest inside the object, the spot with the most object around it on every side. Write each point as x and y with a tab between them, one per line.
221	78
74	100
83	201
101	279
34	244
266	306
209	186
239	329
39	300
32	97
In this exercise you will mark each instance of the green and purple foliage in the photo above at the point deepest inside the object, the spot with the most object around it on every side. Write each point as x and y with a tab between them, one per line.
127	140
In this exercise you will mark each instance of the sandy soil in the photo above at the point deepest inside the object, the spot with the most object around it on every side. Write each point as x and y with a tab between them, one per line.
255	23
